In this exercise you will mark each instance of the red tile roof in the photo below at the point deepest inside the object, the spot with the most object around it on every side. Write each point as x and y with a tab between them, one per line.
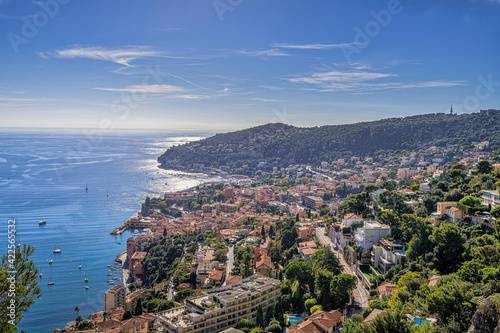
185	285
386	288
215	275
375	313
433	280
134	322
232	279
318	322
109	324
263	261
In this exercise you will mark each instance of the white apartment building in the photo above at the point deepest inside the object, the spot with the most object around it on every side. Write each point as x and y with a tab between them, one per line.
370	234
220	308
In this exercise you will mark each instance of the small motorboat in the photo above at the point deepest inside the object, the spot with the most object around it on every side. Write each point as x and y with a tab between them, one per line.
50	283
42	222
57	251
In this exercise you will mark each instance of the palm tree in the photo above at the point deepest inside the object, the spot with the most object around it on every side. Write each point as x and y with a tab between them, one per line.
77	310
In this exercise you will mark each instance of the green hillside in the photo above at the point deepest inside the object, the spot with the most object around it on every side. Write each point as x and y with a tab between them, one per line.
280	145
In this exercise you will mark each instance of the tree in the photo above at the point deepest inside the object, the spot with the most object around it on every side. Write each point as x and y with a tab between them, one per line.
305	180
220	255
274	327
389	185
355	327
391	321
371	188
288	237
483	167
450	301
297	297
448	242
495	212
341	286
278	310
453	195
183	294
284	182
470	201
316	308
77	309
497	229
322	280
357	203
259	317
22	287
127	315
309	303
269	314
84	325
247	265
298	269
411	225
162	206
458	172
138	308
325	258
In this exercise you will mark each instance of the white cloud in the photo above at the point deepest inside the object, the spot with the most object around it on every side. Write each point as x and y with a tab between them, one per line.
363	82
122	56
338	76
191	97
266	100
153	89
264	53
312	46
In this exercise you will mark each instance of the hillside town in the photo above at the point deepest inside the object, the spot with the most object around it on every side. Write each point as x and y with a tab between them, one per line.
352	244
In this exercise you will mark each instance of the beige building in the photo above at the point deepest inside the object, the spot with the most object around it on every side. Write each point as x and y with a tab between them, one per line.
114	297
448	211
220	308
490	198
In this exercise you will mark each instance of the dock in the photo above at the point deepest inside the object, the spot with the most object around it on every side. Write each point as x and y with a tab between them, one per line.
119	230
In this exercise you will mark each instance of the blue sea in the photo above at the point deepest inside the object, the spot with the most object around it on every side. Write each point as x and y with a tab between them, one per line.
44	175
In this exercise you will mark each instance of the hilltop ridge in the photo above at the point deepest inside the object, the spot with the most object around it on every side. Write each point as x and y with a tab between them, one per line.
279	144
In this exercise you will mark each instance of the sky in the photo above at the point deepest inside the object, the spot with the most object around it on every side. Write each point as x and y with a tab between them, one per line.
221	65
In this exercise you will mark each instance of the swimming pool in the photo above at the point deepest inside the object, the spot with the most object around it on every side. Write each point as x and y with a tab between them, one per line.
293	320
419	321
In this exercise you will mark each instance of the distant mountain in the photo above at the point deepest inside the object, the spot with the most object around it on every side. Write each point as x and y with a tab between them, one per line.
280	144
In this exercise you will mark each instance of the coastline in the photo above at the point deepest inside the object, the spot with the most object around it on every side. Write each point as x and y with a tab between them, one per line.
122	257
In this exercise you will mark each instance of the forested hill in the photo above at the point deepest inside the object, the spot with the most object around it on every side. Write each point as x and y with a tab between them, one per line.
280	145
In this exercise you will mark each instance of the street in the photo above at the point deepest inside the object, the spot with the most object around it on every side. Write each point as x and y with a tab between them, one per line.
230	262
360	294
